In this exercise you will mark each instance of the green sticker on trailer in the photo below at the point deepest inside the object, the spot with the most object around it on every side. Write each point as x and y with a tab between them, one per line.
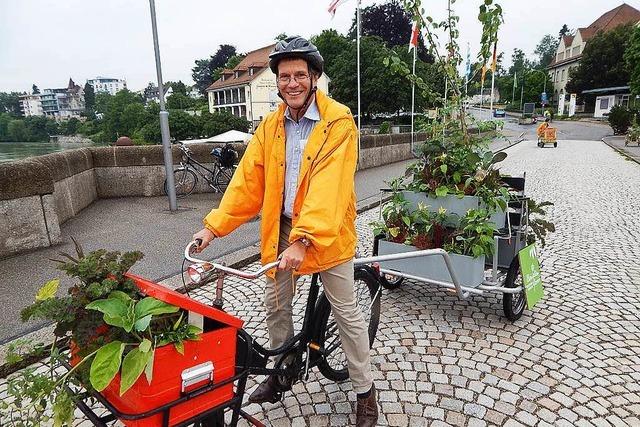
531	279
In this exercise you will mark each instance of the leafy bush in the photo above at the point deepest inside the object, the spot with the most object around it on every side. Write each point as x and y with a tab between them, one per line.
619	119
385	128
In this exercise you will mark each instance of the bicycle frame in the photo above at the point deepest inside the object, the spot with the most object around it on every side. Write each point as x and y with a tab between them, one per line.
301	343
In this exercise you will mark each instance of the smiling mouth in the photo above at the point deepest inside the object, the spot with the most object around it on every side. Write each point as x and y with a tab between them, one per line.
294	93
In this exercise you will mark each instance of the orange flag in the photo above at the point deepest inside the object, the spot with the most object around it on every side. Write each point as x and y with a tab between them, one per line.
495	58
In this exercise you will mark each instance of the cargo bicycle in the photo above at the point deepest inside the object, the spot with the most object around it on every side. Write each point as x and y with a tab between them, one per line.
211	379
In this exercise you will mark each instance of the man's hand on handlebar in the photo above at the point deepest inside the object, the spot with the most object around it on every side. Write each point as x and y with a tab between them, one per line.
205	236
292	257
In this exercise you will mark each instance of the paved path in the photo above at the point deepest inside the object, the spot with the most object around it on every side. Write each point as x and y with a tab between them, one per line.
572	361
617	143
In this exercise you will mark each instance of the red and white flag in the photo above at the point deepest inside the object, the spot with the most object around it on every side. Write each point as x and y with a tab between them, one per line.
334	5
415	32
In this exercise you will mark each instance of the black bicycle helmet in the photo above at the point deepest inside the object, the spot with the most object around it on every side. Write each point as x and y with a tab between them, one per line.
296	47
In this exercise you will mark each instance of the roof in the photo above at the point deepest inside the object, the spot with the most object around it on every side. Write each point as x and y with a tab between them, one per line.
257	59
608	89
621	15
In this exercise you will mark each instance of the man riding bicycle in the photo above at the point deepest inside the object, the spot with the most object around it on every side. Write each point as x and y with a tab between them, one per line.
299	170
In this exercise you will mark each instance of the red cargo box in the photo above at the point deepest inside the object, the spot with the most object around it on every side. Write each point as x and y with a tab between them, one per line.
212	358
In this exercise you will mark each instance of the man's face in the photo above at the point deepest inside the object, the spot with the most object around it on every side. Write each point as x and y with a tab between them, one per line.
294	81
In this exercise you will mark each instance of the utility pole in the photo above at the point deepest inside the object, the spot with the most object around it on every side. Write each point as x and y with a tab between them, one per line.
164	117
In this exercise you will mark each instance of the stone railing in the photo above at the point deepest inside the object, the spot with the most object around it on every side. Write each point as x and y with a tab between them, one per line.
39	194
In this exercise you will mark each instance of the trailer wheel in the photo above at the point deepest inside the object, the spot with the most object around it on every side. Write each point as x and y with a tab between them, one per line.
555	144
513	304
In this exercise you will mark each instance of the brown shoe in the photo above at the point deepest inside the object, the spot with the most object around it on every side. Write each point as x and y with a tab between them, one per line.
367	410
267	391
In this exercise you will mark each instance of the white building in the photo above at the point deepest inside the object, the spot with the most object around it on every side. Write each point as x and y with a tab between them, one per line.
571	47
107	84
31	105
250	89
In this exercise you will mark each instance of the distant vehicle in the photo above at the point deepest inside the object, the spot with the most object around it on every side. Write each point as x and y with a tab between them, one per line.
499	112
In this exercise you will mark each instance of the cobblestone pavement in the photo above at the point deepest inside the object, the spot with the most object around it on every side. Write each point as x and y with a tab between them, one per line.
574	360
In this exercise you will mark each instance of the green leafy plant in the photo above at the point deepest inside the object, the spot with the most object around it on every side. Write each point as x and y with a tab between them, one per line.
474	236
396	220
422	221
619	119
538	225
112	327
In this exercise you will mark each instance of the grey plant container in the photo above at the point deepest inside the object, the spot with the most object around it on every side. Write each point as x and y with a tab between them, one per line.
452	203
470	271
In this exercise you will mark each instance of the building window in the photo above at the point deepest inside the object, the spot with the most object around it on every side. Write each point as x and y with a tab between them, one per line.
604	103
562	78
624	100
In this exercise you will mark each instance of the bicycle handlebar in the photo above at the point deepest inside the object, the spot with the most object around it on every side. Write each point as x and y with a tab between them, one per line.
192	245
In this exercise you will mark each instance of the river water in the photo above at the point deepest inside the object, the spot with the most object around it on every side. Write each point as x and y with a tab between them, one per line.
10	151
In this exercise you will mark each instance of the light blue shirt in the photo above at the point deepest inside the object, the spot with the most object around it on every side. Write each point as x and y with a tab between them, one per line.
297	135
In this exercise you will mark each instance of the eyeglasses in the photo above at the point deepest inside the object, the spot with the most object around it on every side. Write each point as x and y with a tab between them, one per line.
299	78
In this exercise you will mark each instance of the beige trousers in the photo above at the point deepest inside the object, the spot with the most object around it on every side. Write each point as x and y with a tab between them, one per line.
339	288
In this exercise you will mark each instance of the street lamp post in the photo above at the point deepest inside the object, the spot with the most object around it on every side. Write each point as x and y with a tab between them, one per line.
164	117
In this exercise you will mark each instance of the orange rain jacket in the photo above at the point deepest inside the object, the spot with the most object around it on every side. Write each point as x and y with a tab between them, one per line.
324	208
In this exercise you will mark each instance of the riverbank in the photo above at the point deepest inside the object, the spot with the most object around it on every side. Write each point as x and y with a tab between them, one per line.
11	151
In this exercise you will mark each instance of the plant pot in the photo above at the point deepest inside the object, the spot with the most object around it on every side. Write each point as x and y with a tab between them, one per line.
469	270
452	203
210	360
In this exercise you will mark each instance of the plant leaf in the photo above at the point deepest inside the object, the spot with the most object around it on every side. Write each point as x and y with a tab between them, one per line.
132	367
145	345
441	191
48	290
443	168
142	324
179	347
153	306
106	364
148	370
112	308
120	296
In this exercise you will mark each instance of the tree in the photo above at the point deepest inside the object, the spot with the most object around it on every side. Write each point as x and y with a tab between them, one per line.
632	59
602	63
202	72
150	91
331	44
392	23
382	90
519	62
89	100
10	103
17	131
546	50
34	89
178	87
229	65
4	126
180	101
564	31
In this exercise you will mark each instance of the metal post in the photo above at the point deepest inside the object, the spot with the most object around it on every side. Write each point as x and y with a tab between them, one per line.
413	97
358	61
164	117
522	90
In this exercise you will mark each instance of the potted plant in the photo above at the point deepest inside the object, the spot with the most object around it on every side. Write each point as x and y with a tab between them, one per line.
116	333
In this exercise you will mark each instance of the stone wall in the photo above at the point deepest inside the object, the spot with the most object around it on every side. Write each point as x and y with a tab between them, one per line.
39	194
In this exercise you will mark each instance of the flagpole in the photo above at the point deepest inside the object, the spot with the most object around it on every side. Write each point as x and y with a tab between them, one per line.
358	61
413	95
513	91
493	80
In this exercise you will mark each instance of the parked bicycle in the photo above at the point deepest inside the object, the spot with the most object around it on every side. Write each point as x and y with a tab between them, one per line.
186	175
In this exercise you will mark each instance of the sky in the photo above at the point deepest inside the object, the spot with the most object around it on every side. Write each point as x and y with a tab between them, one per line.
48	41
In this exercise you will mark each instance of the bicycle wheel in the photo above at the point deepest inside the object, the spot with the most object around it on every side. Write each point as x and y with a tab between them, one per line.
513	304
221	179
184	180
333	363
